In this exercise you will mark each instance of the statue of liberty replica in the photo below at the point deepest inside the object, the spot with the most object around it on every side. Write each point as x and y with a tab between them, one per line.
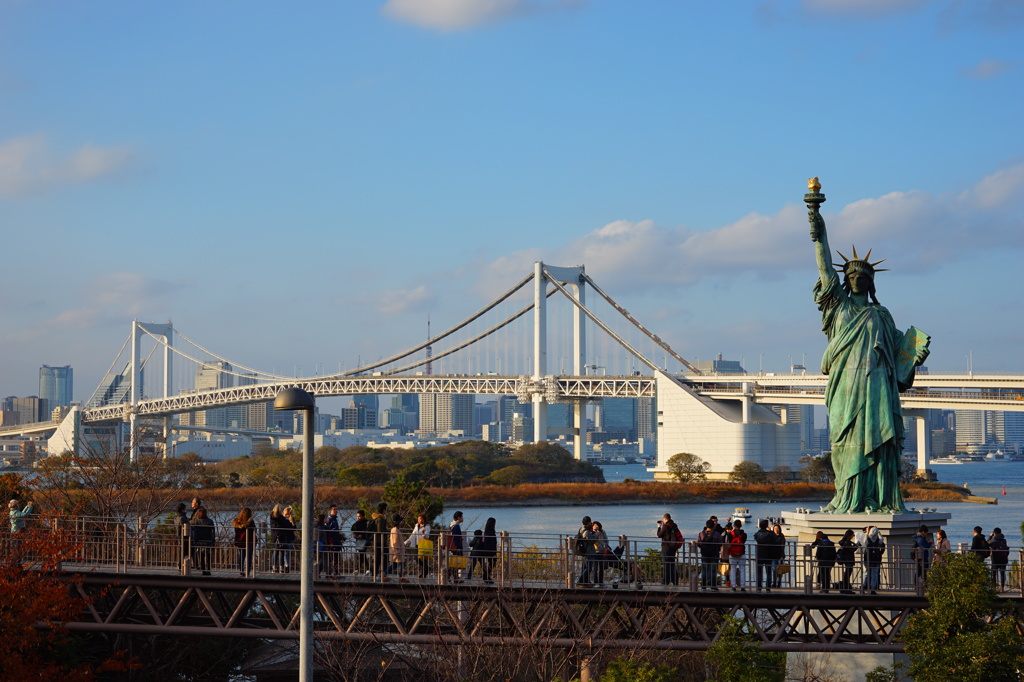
868	362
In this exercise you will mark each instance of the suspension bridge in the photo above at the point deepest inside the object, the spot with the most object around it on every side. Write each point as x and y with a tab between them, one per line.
509	348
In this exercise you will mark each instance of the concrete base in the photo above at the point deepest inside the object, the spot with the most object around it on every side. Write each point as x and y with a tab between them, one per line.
897	529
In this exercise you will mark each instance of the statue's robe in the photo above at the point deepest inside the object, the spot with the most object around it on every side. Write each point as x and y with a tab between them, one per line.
863	400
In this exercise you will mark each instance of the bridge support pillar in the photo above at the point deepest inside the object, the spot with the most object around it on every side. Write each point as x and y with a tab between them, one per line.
924	449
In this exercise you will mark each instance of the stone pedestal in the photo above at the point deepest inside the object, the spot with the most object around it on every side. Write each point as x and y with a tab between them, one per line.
897	529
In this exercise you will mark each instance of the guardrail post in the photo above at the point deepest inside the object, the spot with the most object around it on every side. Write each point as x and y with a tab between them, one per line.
443	557
808	571
506	559
570	568
140	541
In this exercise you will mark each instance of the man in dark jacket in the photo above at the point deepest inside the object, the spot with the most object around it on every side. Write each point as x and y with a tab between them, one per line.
979	545
825	557
764	553
671	541
709	542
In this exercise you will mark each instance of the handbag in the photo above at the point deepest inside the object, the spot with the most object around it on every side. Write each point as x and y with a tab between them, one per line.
425	547
456	562
723	569
782	569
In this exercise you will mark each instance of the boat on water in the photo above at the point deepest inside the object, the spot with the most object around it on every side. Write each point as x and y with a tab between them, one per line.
946	460
741	513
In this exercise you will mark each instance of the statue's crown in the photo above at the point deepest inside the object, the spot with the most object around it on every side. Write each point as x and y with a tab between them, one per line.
857	263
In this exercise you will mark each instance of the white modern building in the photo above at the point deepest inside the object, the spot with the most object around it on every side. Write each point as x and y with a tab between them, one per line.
721	432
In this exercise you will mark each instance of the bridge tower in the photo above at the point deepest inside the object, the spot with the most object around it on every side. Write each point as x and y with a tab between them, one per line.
574	278
166	332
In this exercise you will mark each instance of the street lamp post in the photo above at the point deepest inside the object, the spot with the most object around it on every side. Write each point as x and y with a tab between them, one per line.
294	398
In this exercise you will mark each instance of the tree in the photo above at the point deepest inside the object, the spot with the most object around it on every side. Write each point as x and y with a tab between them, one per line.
736	658
688	468
105	481
409	499
510	475
818	469
779	475
364	475
32	593
748	472
955	638
623	669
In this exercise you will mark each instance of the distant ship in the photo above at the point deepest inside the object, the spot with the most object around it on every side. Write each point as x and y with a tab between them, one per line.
947	460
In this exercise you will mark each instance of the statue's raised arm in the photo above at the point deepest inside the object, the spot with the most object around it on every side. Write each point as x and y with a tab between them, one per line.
814	199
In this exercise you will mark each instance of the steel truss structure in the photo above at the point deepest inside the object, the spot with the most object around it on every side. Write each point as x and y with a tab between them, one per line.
492	616
556	388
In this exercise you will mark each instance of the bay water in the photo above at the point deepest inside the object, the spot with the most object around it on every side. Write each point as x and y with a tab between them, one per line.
987	479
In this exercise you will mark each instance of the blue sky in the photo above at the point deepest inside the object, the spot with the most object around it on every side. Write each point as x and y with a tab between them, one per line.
303	183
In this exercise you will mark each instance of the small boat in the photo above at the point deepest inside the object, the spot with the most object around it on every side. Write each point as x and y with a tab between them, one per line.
741	513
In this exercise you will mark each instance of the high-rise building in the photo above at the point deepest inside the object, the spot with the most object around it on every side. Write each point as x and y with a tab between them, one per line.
369	406
114	388
618	417
56	385
441	413
211	376
646	426
27	410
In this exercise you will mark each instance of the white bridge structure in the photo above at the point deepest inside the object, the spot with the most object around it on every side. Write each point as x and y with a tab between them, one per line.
509	348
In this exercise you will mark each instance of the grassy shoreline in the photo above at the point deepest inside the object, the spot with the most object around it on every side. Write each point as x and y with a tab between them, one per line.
570	494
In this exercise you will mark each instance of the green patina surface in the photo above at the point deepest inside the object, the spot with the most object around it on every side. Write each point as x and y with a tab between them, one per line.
865	378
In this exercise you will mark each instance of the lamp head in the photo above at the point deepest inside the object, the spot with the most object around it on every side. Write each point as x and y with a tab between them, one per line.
293	398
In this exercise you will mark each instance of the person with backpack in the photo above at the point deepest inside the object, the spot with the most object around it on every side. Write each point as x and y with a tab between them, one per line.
825	556
1000	553
764	554
874	550
736	548
671	541
709	543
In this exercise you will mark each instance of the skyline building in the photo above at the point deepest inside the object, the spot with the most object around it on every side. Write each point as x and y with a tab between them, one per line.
441	413
56	385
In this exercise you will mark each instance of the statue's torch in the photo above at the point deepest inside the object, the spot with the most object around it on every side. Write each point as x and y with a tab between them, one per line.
814	199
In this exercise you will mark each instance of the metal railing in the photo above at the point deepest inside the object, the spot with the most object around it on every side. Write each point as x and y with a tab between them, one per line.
519	560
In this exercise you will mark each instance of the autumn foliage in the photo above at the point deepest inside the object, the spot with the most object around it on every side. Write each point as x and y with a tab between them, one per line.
36	600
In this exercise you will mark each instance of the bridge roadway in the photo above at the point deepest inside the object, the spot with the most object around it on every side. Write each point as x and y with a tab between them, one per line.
974	391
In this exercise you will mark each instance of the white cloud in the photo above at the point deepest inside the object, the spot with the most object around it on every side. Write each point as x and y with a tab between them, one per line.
460	15
988	68
916	229
395	301
28	165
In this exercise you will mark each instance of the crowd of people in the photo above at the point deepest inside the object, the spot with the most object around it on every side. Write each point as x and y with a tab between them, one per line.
724	557
388	548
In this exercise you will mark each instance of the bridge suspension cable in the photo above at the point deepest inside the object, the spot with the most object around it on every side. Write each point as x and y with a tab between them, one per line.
95	393
653	337
482	335
261	374
493	304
